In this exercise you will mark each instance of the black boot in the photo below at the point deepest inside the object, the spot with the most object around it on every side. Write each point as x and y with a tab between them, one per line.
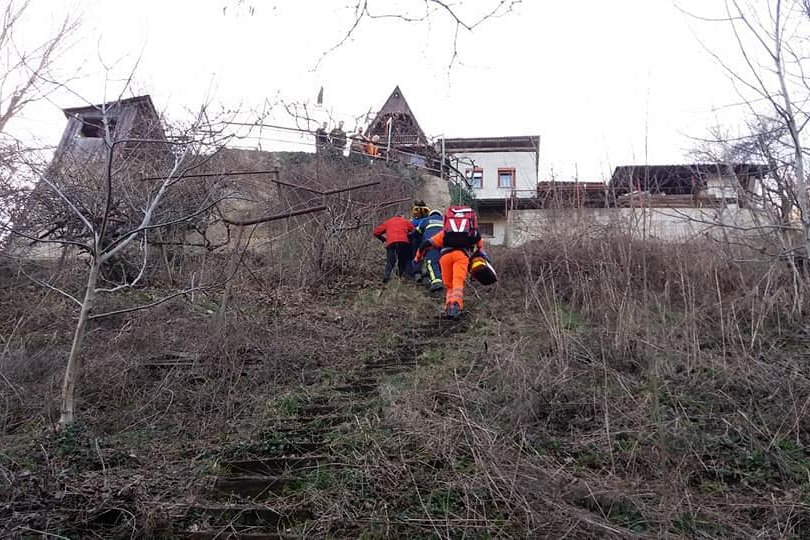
453	311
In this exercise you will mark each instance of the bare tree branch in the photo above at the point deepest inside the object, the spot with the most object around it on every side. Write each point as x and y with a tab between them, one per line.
146	306
243	223
362	11
51	287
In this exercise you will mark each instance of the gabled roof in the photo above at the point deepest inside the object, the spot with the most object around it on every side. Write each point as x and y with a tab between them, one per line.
145	100
396	105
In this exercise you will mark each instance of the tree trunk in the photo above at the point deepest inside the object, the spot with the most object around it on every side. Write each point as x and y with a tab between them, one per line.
221	322
795	135
74	360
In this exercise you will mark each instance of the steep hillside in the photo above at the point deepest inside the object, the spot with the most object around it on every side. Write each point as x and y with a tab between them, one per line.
604	388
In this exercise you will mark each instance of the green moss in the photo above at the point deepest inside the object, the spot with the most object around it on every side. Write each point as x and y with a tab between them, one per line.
320	479
626	515
444	503
570	319
695	525
431	355
288	405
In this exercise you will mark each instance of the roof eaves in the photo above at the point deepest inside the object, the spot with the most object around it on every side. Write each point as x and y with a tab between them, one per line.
145	99
493	144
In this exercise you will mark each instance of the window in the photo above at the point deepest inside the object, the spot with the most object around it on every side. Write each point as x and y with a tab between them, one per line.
487	230
475	178
506	178
93	128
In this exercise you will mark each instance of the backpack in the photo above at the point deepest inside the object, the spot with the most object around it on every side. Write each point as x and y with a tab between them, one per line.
460	227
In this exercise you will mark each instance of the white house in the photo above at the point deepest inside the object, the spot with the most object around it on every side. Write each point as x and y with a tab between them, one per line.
502	173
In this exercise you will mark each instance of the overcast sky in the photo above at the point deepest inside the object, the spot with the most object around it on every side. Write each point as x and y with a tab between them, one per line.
602	83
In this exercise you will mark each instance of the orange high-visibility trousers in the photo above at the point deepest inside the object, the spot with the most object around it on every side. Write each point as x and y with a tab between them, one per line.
454	266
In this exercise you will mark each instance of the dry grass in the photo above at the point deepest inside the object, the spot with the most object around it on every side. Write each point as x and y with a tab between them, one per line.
605	387
617	387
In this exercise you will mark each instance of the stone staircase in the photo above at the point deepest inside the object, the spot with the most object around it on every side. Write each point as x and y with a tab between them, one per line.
249	497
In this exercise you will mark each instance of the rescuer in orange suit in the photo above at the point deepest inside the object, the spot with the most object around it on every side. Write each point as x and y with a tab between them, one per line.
454	263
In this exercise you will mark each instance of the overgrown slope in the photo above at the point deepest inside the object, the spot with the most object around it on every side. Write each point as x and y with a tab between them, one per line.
605	387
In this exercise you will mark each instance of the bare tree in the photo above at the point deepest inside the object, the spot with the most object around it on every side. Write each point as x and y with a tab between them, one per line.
85	206
764	142
23	71
111	196
120	186
773	46
26	69
463	15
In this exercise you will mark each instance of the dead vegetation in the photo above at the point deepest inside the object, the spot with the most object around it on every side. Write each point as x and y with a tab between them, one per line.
605	387
631	388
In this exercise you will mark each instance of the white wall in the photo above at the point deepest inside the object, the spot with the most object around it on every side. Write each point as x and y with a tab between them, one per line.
661	223
499	228
524	163
722	186
40	251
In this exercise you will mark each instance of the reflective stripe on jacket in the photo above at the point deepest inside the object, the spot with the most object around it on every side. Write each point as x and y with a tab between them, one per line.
430	226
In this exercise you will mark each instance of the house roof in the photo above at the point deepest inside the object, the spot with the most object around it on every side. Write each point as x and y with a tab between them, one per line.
677	179
493	144
396	106
571	186
572	194
137	100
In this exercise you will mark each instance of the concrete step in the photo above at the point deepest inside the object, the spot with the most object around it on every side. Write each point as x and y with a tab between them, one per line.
219	534
297	443
362	386
325	405
258	486
409	362
244	516
364	379
318	409
273	466
298	432
306	421
383	370
203	522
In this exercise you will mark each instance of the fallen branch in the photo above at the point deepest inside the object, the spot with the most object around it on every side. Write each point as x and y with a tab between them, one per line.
275	217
